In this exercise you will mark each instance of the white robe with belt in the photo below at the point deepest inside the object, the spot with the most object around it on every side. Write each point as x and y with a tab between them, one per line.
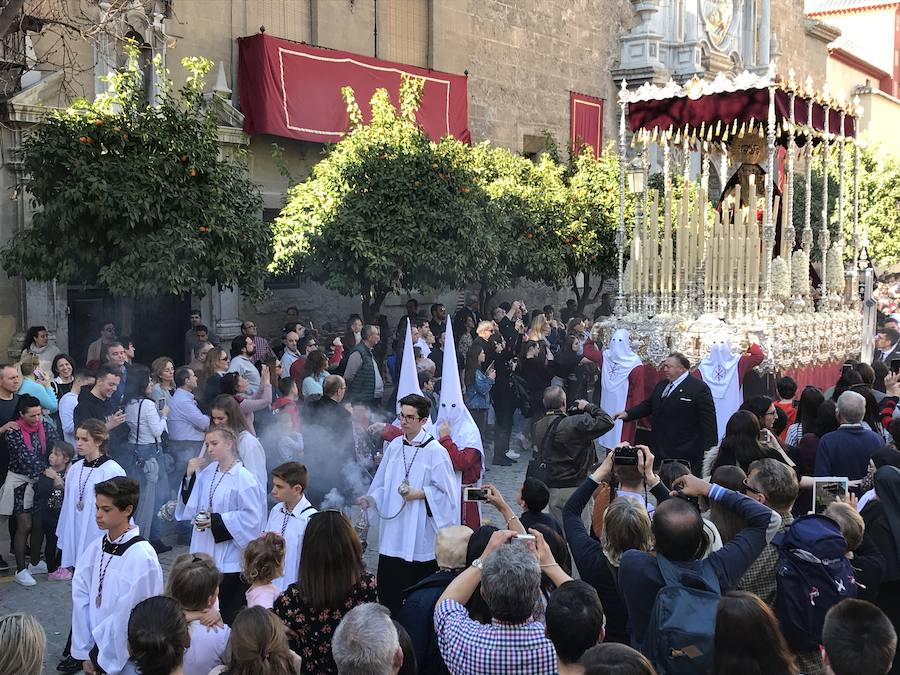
411	534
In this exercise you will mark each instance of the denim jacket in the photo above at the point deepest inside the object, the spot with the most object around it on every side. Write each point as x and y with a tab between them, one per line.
478	395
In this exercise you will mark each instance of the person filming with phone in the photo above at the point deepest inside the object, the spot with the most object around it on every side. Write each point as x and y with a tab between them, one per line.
565	441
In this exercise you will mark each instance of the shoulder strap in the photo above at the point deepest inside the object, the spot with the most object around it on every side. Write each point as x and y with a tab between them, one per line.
673	574
308	508
137	435
551	429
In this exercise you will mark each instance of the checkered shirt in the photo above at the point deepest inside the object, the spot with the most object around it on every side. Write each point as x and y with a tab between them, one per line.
263	349
472	648
760	576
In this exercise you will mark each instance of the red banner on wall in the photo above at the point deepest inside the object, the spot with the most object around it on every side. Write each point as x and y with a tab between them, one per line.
293	90
587	122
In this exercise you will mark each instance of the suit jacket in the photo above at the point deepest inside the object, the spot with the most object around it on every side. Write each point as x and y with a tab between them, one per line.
895	354
684	423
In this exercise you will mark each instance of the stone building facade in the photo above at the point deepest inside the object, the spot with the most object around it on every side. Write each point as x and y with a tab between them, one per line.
522	58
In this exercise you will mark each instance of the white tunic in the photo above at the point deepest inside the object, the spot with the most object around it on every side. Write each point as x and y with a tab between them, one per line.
292	526
77	529
235	497
410	535
130	576
253	457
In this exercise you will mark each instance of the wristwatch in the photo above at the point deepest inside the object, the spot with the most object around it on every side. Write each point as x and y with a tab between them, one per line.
477	563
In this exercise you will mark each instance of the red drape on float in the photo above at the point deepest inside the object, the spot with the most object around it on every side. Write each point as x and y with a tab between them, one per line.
586	113
293	90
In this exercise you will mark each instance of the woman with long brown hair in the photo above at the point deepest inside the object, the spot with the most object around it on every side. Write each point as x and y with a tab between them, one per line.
748	640
258	646
332	581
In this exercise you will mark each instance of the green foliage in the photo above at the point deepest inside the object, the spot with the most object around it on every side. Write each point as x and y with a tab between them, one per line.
136	199
879	202
386	210
389	209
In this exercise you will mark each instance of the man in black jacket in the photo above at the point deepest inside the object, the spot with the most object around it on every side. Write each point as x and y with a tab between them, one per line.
683	414
566	444
328	440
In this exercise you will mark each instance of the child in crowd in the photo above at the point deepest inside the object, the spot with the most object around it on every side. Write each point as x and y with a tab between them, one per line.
787	390
48	498
261	563
222	499
157	637
533	498
194	583
115	572
286	403
257	632
77	526
290	516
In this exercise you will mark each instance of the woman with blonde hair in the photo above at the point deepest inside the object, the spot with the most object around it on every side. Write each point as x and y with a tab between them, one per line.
22	645
215	366
163	378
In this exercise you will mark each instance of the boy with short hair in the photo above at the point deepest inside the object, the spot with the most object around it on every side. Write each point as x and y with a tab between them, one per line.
533	498
115	573
787	389
290	516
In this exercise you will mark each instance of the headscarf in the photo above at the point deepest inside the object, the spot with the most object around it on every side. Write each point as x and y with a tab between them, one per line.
36	429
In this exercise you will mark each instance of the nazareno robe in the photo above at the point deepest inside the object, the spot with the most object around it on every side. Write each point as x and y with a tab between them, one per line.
236	512
77	529
131	574
410	535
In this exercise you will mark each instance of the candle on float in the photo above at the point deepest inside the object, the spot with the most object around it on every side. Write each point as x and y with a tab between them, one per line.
654	242
667	241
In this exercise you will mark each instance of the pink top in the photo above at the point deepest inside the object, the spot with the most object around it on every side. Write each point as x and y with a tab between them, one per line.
262	596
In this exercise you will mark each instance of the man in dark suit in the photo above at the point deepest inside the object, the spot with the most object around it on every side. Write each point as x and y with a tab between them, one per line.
683	414
887	346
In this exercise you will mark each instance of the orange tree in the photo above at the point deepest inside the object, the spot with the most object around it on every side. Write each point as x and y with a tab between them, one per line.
386	210
137	199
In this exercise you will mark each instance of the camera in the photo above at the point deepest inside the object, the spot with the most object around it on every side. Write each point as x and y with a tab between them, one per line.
573	410
626	455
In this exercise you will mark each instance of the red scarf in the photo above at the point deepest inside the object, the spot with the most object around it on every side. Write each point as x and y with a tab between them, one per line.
28	430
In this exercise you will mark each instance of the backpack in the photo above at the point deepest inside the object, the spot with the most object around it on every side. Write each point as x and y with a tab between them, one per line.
682	627
812	575
537	467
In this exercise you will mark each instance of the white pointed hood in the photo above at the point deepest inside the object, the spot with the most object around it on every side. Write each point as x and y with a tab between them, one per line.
409	382
721	374
619	360
409	378
452	409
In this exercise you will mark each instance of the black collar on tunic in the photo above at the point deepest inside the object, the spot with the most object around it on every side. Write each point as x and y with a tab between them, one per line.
119	549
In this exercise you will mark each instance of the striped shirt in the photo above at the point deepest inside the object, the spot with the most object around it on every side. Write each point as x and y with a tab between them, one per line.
471	648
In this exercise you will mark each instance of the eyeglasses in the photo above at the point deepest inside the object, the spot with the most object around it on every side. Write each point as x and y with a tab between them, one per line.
752	489
410	418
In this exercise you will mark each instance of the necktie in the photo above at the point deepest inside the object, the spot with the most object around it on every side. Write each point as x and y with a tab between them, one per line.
667	390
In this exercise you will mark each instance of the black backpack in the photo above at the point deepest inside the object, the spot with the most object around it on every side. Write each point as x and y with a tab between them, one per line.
537	467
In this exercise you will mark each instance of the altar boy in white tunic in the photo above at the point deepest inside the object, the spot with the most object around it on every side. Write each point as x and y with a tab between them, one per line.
222	499
77	527
115	573
415	493
290	516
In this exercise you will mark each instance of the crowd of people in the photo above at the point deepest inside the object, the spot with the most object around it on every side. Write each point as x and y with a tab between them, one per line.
666	523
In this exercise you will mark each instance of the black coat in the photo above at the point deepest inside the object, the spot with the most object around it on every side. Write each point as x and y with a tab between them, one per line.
417	617
684	423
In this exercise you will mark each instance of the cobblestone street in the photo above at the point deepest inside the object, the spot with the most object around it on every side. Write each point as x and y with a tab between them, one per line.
50	601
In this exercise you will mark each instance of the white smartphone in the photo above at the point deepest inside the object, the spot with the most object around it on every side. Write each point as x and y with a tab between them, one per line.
828	489
525	537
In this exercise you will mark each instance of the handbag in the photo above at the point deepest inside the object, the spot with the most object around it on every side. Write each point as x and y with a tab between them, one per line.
143	451
537	467
520	394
